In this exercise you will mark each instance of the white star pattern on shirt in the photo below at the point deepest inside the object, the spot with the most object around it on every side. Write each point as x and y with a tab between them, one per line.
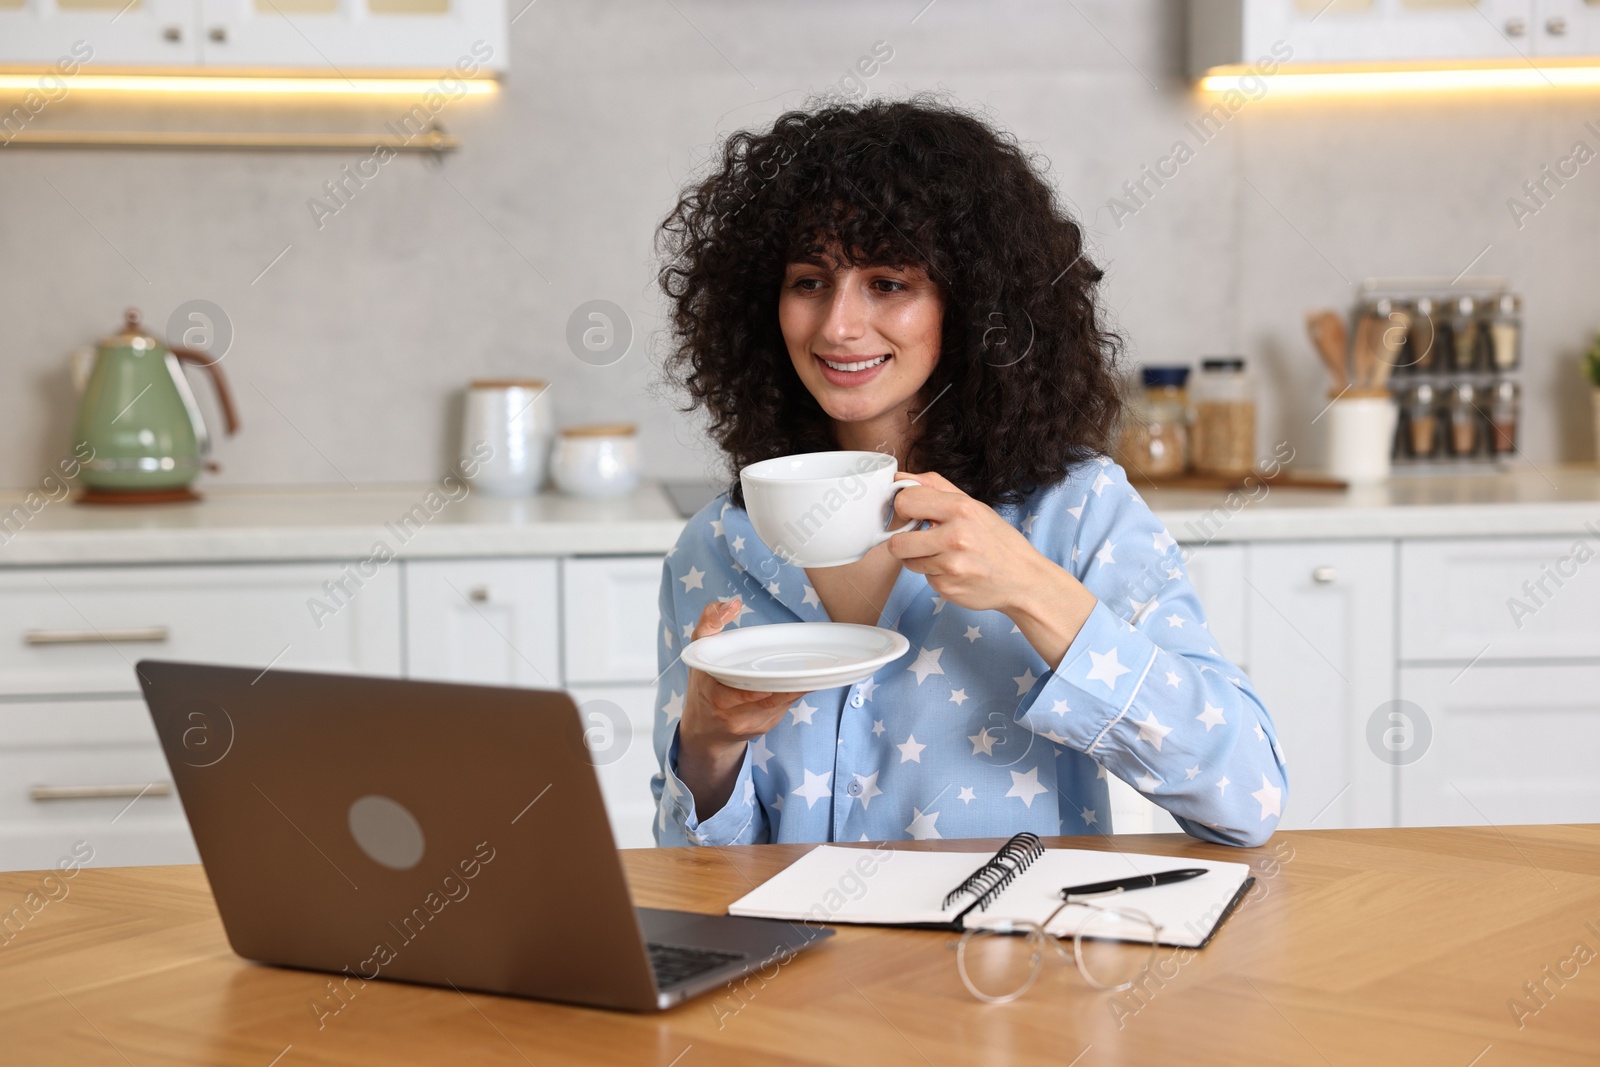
1142	608
674	706
774	588
869	788
1106	668
877	727
1077	512
982	742
744	609
1100	483
1026	786
688	630
867	688
1027	524
810	597
1088	816
1076	554
1211	716
802	711
1146	784
1104	555
1222	785
1175	620
966	795
1173	680
973	633
1024	680
666	636
1059	707
927	663
1175	573
695	579
911	751
759	752
814	788
958	697
717	529
1152	731
922	825
1260	734
1191	773
1271	798
1163	540
938	604
738	543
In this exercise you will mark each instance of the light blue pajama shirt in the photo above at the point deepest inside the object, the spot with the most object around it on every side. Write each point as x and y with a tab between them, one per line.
971	733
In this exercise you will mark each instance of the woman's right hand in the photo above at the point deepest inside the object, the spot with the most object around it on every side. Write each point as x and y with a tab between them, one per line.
718	720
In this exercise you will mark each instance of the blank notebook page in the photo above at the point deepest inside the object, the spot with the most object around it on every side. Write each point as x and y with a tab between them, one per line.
889	888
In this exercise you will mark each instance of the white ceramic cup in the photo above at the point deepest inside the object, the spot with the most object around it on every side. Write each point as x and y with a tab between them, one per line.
512	417
1360	438
823	509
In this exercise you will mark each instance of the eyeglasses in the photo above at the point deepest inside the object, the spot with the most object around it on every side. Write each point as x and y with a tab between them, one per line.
1111	946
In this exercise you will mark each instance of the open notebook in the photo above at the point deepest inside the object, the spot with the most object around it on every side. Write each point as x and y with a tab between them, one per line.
967	890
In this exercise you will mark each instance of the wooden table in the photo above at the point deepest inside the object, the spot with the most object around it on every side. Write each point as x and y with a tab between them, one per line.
1358	947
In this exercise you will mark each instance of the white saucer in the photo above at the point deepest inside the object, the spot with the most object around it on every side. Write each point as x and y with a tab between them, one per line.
795	657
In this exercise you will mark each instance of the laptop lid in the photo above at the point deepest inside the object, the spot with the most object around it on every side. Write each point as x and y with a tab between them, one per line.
428	832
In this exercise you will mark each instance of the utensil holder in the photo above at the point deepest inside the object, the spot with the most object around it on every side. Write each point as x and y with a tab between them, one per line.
1360	436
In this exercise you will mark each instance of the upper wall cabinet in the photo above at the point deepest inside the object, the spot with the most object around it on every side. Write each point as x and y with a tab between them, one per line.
327	37
1224	32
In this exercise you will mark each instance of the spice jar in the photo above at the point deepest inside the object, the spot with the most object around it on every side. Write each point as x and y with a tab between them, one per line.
1505	332
1465	329
1505	410
1464	419
1223	438
1423	339
1155	439
1422	421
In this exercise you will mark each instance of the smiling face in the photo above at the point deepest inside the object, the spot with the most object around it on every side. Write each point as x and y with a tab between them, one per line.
864	341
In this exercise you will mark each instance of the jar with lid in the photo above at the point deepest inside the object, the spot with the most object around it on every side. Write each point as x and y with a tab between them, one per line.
1505	411
1505	332
1465	332
1223	438
1424	338
1422	421
1464	419
1155	438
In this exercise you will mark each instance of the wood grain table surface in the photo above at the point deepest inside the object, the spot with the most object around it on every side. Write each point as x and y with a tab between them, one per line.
1461	947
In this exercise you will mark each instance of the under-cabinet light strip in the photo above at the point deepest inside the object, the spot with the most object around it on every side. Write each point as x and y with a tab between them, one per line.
1308	83
279	86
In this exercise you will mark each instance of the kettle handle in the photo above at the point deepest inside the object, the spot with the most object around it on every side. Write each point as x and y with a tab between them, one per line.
230	415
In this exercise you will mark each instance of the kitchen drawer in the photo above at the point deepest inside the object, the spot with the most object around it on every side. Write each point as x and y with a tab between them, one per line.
611	618
1461	599
483	621
59	723
1217	574
81	630
624	756
1503	745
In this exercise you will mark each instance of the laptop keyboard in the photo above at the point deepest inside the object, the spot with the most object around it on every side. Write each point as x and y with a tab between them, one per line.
678	963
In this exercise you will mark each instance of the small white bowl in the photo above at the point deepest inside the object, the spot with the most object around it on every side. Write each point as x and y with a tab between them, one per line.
596	461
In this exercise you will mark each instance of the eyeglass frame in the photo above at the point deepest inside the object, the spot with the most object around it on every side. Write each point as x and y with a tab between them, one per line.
1010	927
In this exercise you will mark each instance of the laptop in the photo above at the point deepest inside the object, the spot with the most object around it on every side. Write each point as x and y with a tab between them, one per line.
452	835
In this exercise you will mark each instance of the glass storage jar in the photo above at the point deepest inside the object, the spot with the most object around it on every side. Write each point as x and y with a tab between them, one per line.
1468	336
1505	332
1422	421
1505	412
1155	438
1223	436
1464	419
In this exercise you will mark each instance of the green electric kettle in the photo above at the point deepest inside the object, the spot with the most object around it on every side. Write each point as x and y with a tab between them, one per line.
140	419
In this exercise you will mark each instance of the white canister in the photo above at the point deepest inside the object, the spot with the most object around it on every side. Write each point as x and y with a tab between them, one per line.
1361	436
512	417
596	460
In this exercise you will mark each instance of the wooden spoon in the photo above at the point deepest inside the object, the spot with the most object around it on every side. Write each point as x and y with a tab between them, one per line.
1327	333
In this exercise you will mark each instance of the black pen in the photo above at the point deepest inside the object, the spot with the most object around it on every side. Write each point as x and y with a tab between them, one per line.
1137	881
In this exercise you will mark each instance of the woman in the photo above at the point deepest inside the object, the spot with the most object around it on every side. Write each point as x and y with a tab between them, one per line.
897	277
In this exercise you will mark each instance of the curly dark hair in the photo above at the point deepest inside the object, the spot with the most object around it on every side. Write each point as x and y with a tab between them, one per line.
1026	380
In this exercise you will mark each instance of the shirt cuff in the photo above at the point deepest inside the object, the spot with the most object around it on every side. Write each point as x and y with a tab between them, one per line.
1093	686
676	821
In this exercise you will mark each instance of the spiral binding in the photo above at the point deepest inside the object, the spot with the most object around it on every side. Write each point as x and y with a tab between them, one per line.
988	881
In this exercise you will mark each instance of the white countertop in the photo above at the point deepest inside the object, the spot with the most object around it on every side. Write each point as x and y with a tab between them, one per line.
327	523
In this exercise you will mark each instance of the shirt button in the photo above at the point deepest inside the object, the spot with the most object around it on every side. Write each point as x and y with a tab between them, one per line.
856	700
854	788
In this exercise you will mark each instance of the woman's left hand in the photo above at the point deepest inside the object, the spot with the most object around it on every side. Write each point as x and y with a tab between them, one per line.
970	555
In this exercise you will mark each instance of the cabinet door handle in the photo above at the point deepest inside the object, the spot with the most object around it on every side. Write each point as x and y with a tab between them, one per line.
478	594
1516	27
1556	26
218	34
1324	575
173	34
152	634
100	792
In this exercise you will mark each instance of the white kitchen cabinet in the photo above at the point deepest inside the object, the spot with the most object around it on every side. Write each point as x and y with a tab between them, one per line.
486	621
617	724
326	37
1506	744
1228	32
81	629
1565	28
1321	647
1217	574
611	618
87	771
1501	598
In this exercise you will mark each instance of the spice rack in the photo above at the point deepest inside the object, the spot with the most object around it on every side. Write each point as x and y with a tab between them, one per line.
1457	367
